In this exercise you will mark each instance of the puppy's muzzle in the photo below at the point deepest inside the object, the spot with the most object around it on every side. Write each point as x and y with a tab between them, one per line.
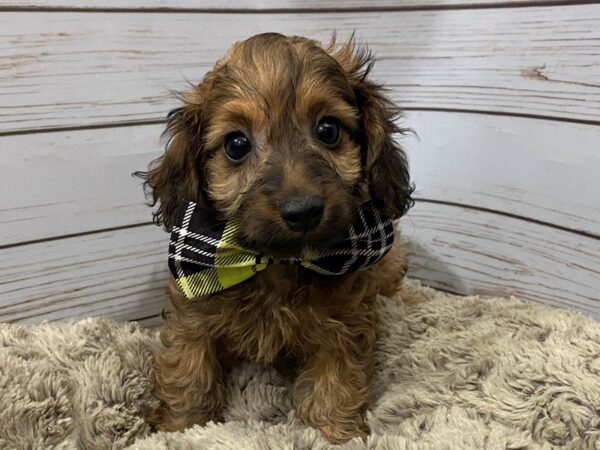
302	213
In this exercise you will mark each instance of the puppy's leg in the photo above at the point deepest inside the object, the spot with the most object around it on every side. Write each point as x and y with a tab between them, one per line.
189	380
333	389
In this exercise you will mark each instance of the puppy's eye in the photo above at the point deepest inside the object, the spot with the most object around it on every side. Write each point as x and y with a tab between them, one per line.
237	146
329	131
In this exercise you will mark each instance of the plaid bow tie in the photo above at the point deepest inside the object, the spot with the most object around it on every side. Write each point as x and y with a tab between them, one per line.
206	256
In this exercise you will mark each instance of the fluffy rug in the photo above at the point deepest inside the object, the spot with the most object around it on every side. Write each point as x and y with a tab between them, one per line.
452	372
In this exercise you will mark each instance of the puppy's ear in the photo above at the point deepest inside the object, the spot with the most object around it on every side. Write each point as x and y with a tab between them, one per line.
175	176
384	161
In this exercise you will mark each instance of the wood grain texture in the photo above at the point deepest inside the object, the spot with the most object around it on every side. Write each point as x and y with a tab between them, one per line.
258	4
57	184
510	204
122	274
469	252
536	169
80	69
79	181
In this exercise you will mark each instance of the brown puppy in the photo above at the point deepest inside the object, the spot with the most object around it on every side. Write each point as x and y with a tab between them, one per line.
289	138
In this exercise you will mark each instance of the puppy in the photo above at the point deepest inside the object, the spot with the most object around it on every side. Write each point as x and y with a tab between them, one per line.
288	138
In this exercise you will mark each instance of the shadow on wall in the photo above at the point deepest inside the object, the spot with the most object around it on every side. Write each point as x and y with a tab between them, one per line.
426	266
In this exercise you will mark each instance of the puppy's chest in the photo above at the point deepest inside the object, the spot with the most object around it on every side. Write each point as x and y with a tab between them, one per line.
277	310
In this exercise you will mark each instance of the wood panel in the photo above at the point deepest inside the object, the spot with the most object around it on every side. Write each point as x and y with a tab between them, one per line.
79	181
257	5
73	182
80	69
122	274
471	252
536	169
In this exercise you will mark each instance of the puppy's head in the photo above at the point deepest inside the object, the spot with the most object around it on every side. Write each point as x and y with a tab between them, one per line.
289	138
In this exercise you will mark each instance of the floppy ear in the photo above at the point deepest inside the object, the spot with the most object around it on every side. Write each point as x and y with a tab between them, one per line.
175	175
384	161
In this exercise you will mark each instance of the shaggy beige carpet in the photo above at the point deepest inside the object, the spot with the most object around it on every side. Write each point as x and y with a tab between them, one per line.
452	373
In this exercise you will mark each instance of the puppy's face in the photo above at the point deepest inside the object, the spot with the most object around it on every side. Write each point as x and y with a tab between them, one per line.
280	148
288	138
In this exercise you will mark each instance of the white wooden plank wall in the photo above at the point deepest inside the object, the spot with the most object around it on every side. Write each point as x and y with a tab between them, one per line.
504	95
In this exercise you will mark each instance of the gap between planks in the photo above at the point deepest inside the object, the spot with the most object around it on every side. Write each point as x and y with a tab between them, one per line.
96	126
155	320
418	200
511	215
135	123
283	10
74	235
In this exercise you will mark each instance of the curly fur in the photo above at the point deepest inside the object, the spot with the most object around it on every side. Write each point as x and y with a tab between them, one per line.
319	329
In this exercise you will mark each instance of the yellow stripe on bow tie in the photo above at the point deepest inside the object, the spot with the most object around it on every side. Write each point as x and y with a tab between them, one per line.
233	264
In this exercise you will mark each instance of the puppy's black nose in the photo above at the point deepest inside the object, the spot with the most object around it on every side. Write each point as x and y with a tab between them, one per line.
302	213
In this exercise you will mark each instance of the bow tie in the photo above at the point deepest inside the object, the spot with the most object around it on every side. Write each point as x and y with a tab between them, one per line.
207	256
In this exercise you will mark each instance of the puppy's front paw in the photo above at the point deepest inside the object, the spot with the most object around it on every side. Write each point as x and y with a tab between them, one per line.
340	433
163	418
